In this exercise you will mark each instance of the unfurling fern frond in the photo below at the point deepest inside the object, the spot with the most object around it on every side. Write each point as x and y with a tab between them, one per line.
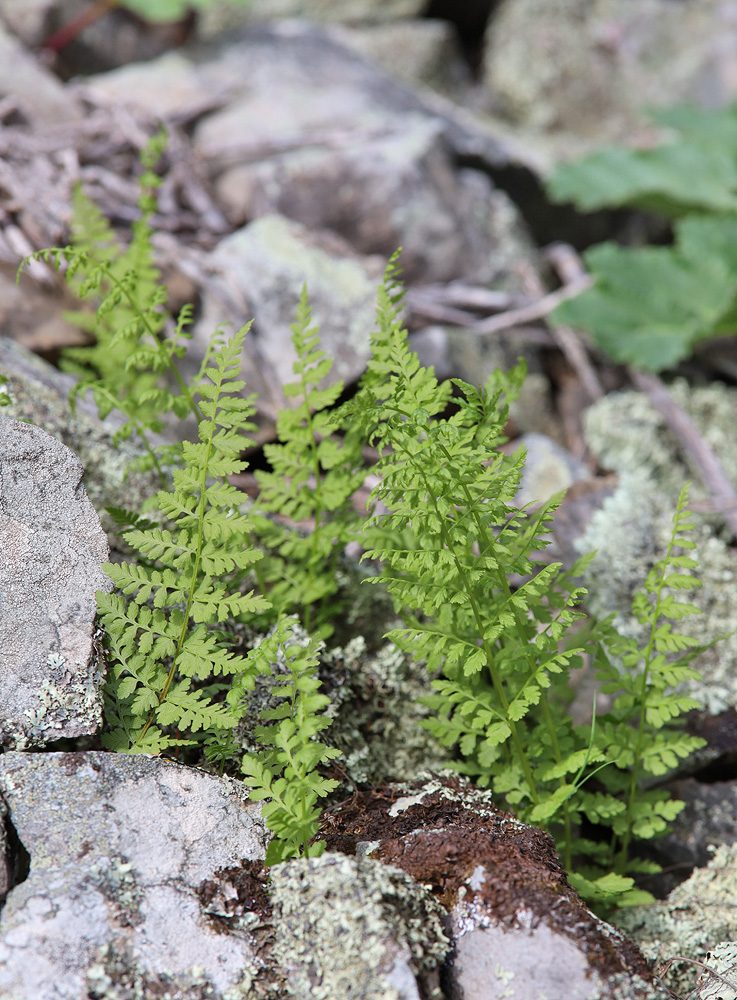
162	639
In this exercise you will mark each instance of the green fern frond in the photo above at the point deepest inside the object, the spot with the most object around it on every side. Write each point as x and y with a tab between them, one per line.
161	639
284	774
312	477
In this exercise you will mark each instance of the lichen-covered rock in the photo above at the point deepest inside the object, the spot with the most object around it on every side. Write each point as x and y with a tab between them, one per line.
37	392
51	550
259	272
515	923
356	929
591	67
697	916
119	847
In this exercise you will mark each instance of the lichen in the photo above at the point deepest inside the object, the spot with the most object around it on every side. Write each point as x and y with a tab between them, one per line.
697	916
626	433
344	922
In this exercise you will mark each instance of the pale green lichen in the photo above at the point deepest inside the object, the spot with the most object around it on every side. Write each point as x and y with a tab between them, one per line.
697	916
626	433
346	925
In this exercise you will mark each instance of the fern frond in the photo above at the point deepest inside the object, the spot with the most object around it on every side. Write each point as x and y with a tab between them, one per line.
163	636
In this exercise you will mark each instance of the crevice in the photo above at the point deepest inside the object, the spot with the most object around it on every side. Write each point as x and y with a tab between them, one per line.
16	861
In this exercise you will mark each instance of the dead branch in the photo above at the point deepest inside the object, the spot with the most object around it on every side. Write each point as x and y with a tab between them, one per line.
711	470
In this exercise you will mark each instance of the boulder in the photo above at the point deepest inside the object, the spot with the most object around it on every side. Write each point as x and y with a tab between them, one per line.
125	855
51	550
258	273
591	68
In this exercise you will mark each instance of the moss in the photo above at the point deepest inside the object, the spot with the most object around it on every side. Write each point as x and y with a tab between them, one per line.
345	925
698	915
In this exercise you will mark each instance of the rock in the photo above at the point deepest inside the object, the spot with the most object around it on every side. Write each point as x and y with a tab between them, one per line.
31	317
513	916
385	191
119	847
714	984
38	392
709	818
424	52
697	916
51	550
592	67
221	16
259	272
353	927
549	469
41	98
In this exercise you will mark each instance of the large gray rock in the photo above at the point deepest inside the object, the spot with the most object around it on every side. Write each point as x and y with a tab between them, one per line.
39	95
38	393
119	847
592	67
387	188
315	132
51	550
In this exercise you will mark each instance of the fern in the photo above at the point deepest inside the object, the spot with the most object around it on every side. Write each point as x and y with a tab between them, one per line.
448	544
312	477
449	538
640	735
162	643
284	774
125	366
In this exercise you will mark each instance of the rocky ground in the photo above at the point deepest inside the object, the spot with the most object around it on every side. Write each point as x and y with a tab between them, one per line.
308	140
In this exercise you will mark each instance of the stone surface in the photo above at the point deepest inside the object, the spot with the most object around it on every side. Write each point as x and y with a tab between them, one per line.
51	550
37	392
424	52
222	16
592	67
39	95
259	272
549	468
697	916
353	927
509	901
396	188
119	847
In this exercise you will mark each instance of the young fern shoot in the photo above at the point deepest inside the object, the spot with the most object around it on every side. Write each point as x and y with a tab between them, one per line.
131	356
640	734
284	774
162	641
312	477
